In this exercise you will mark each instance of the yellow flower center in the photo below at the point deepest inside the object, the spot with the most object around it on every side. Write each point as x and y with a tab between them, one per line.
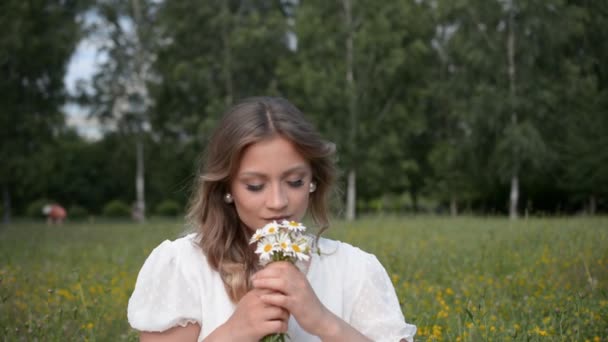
283	245
293	223
296	248
267	248
271	230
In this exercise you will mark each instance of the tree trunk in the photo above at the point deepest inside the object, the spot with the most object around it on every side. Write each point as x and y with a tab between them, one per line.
514	197
6	205
140	204
140	87
414	198
227	54
453	206
351	195
592	205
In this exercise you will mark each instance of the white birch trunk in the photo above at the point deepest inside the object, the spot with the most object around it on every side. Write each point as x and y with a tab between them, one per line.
139	86
351	195
592	205
351	190
453	206
140	204
514	196
227	54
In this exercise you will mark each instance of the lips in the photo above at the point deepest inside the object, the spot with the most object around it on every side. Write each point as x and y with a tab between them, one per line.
277	218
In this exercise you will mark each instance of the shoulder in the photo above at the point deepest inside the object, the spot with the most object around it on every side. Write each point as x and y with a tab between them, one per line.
180	251
349	262
167	289
342	251
182	245
359	265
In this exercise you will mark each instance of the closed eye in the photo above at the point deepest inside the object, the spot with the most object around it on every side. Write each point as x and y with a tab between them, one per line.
255	187
296	184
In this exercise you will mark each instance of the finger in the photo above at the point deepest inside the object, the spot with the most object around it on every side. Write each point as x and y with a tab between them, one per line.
260	292
276	313
276	299
270	271
276	284
278	326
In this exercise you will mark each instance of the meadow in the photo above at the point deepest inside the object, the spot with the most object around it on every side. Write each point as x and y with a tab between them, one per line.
463	279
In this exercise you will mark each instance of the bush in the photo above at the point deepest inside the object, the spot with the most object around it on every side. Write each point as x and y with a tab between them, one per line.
34	209
77	212
116	208
168	208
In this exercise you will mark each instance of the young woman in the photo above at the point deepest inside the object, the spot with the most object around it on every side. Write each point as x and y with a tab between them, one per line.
264	162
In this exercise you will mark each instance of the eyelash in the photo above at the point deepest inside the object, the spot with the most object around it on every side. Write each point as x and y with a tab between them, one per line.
256	188
296	184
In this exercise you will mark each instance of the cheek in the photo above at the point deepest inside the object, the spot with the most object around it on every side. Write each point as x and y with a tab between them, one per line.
300	201
246	202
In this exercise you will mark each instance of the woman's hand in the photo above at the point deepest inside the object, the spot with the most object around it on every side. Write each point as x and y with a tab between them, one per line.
252	319
288	288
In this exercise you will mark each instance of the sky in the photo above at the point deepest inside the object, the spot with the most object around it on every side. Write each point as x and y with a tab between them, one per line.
81	66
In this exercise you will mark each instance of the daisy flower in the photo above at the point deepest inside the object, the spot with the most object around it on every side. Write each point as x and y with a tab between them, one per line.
271	228
294	226
257	236
284	243
266	248
301	249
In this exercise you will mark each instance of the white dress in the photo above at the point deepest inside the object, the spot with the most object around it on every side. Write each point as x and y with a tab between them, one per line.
176	286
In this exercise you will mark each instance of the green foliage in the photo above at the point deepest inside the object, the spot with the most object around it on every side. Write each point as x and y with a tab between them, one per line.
76	212
220	52
430	110
36	41
168	208
34	209
116	209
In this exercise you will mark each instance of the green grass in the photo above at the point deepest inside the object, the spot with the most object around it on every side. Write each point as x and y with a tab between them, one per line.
467	279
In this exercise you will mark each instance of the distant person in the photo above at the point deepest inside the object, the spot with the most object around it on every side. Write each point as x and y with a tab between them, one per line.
55	214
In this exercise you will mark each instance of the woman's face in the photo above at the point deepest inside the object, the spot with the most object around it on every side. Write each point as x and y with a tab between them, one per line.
272	183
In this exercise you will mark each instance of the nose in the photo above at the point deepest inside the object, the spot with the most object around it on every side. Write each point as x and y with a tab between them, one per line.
277	198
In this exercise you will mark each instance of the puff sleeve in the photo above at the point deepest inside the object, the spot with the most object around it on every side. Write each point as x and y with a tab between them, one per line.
165	293
376	311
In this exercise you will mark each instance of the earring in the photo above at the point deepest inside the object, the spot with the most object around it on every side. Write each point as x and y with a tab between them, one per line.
228	198
312	186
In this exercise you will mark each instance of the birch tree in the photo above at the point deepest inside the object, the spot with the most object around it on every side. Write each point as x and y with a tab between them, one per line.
120	88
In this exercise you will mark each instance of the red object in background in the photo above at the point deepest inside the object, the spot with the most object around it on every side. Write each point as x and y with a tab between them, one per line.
54	213
57	212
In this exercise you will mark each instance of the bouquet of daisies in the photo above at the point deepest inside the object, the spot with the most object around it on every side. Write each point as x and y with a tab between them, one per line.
281	241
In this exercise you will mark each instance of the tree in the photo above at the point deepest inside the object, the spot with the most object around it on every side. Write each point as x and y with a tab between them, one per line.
210	55
355	74
37	40
508	49
120	94
583	97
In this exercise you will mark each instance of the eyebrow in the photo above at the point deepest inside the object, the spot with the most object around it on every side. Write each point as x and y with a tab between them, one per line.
298	168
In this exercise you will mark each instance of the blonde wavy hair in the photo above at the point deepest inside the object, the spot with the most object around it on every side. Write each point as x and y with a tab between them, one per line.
224	238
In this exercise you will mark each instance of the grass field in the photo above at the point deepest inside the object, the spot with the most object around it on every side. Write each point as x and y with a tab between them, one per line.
465	279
